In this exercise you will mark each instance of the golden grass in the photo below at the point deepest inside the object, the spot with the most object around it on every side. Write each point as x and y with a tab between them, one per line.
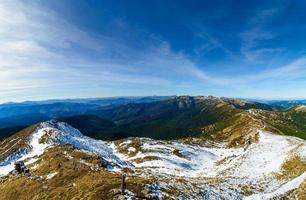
292	168
178	153
74	179
15	142
124	148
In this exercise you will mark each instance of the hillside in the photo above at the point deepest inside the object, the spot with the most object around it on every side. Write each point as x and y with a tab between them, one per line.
60	161
15	116
178	148
185	116
289	122
173	118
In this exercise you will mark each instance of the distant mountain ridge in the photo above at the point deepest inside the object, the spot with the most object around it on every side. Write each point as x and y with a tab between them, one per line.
280	103
173	118
20	115
155	117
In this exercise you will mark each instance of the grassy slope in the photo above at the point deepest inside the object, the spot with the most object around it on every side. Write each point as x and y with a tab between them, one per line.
74	179
182	117
15	142
289	123
171	119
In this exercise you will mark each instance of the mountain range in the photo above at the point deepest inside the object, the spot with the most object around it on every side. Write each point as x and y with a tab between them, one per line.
178	147
114	114
16	116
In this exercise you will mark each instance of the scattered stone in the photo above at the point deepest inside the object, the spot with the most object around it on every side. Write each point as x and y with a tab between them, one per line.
104	163
36	178
20	167
59	165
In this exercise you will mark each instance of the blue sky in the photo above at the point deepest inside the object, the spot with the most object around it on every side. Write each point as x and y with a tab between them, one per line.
78	49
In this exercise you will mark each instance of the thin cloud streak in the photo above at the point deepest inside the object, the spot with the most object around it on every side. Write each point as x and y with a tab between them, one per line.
40	49
294	70
26	56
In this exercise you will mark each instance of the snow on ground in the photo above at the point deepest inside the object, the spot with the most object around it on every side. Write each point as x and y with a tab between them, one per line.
265	156
233	167
131	149
7	147
65	134
191	160
36	149
51	175
57	133
293	184
255	163
174	158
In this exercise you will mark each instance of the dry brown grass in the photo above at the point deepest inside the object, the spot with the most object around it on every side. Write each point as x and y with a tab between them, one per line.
292	168
74	179
124	148
145	159
15	142
178	153
297	194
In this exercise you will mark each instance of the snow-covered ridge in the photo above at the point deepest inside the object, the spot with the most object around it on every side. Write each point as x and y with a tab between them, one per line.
62	133
196	162
254	165
35	149
175	157
257	161
51	133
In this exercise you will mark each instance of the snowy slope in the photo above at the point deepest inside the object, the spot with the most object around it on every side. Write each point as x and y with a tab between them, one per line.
266	156
35	149
233	168
190	161
53	133
65	134
257	161
293	184
198	163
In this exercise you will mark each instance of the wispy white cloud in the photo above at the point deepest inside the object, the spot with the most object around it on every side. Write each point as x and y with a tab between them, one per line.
40	51
294	70
253	38
209	43
37	49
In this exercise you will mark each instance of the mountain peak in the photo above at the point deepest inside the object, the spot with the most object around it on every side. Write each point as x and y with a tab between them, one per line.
48	134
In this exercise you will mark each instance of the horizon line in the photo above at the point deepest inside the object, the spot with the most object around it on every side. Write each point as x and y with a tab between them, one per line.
141	96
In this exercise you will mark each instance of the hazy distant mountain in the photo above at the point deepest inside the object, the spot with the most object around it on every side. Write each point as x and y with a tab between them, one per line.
14	115
173	118
155	117
281	103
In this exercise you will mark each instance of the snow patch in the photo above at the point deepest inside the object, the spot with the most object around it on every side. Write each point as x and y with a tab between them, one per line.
51	175
58	133
35	149
291	185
